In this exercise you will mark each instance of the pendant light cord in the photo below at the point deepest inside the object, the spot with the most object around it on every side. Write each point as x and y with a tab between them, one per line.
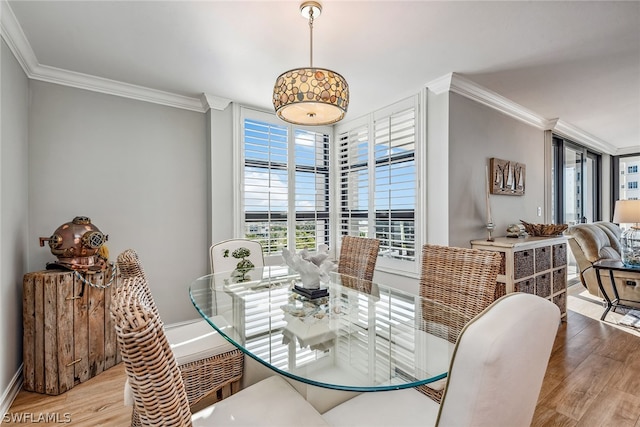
311	37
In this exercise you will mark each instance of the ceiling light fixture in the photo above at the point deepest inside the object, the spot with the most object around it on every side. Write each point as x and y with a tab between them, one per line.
311	96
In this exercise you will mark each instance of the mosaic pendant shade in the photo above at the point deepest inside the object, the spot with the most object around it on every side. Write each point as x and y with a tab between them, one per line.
311	95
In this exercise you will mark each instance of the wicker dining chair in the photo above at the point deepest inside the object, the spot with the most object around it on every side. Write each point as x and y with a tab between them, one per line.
211	367
358	257
461	278
159	394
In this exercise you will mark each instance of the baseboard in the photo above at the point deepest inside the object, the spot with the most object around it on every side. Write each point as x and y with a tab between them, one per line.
11	392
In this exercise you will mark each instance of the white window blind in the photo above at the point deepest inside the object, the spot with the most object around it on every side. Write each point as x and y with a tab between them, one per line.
311	189
354	182
378	180
285	183
395	183
266	182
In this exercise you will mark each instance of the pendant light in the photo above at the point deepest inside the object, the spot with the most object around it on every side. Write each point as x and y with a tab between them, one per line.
312	95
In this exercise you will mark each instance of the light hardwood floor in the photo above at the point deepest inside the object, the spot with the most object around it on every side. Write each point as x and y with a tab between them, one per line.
593	379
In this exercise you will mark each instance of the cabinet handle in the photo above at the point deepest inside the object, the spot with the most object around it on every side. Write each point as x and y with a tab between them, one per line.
74	362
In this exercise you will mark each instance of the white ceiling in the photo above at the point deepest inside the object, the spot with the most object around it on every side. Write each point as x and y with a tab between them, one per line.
578	61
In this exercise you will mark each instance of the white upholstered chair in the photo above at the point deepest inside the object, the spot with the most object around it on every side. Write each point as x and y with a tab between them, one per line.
222	259
158	390
494	379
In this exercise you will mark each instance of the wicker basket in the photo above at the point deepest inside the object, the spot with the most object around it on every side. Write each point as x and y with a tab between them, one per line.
544	229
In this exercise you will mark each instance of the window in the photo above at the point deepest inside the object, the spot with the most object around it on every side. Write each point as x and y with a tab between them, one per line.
576	183
625	178
285	183
378	180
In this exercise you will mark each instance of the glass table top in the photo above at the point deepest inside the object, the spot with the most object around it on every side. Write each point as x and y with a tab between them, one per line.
362	336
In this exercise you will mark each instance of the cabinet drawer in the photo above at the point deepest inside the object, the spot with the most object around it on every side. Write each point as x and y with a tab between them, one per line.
543	285
559	255
561	301
543	258
527	286
523	264
559	280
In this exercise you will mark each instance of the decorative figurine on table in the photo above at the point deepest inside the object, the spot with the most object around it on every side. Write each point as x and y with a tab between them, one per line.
515	230
312	268
243	266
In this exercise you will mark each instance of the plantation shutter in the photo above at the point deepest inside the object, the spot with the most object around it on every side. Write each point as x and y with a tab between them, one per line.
354	182
395	183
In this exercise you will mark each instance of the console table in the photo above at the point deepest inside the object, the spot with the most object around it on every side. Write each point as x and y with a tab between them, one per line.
535	265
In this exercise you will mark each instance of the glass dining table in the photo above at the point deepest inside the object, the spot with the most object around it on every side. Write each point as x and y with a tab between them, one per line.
360	336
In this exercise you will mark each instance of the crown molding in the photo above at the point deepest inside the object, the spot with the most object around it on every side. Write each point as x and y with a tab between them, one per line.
484	96
15	38
214	102
12	33
634	149
453	82
578	135
441	84
113	87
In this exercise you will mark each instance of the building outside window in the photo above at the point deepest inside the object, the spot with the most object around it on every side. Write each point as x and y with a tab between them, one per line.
628	177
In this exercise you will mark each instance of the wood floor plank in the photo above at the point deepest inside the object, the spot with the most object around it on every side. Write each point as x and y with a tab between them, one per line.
548	417
627	379
96	402
582	387
612	408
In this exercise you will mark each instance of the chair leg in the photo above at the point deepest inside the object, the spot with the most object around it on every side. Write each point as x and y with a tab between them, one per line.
135	418
435	395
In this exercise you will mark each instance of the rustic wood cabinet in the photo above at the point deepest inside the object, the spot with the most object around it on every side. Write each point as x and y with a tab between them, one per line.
69	336
536	265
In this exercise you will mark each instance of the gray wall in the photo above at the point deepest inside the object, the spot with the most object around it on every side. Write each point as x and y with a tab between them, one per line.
13	213
477	133
138	170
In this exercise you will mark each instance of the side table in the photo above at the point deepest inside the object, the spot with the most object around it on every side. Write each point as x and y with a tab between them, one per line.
68	336
610	266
